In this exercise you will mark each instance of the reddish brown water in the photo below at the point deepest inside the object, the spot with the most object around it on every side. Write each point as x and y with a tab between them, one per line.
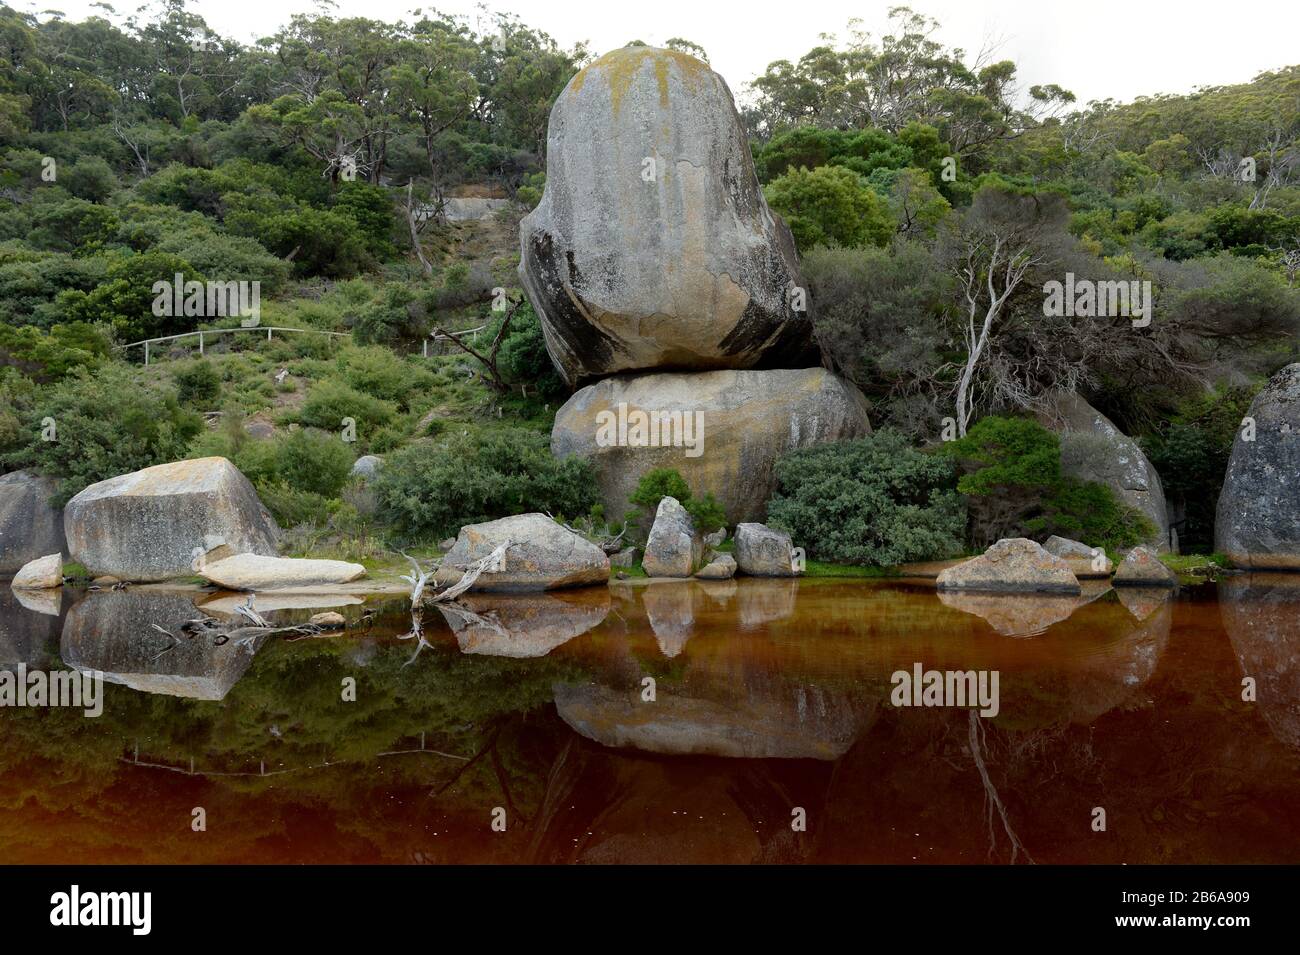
772	701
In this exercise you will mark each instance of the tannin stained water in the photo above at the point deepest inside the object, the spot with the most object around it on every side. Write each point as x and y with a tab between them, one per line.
772	702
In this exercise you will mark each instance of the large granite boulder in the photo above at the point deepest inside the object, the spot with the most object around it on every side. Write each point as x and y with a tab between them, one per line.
725	430
1258	521
652	246
1012	565
164	521
674	547
30	526
764	552
1093	449
256	572
542	556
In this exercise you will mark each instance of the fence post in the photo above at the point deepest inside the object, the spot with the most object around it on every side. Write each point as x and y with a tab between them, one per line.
268	334
200	344
146	354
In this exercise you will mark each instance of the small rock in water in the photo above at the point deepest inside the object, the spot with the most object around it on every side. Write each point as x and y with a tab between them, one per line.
722	567
1012	565
1142	568
329	620
43	573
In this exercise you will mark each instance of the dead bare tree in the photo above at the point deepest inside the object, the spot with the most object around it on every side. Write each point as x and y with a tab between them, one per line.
415	230
489	360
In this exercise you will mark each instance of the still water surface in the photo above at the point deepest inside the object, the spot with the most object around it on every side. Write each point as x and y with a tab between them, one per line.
772	703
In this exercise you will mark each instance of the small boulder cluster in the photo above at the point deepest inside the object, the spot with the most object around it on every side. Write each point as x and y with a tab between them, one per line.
1020	565
675	548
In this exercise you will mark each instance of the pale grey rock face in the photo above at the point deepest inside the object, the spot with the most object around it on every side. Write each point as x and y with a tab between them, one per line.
1083	560
150	524
1093	449
29	525
255	572
674	547
722	567
43	573
366	466
1258	521
1012	565
652	246
523	625
624	558
763	552
1143	568
734	427
543	556
112	632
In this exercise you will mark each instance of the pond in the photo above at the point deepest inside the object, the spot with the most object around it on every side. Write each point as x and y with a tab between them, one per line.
732	721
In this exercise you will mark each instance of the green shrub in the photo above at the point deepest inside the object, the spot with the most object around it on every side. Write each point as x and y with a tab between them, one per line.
197	382
830	205
874	500
1014	486
429	490
523	359
656	484
106	424
331	401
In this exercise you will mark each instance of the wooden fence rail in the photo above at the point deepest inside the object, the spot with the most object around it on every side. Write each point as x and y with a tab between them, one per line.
202	336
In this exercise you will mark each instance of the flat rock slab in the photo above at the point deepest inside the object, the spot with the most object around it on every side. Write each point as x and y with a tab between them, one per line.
256	572
1012	565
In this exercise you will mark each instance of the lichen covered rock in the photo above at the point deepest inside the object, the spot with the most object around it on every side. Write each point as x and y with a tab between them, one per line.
1258	521
166	520
652	246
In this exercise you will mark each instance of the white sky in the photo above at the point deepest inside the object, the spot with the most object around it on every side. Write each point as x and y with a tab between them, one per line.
1096	48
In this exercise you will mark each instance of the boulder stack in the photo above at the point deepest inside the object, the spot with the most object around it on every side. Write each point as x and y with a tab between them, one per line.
667	288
